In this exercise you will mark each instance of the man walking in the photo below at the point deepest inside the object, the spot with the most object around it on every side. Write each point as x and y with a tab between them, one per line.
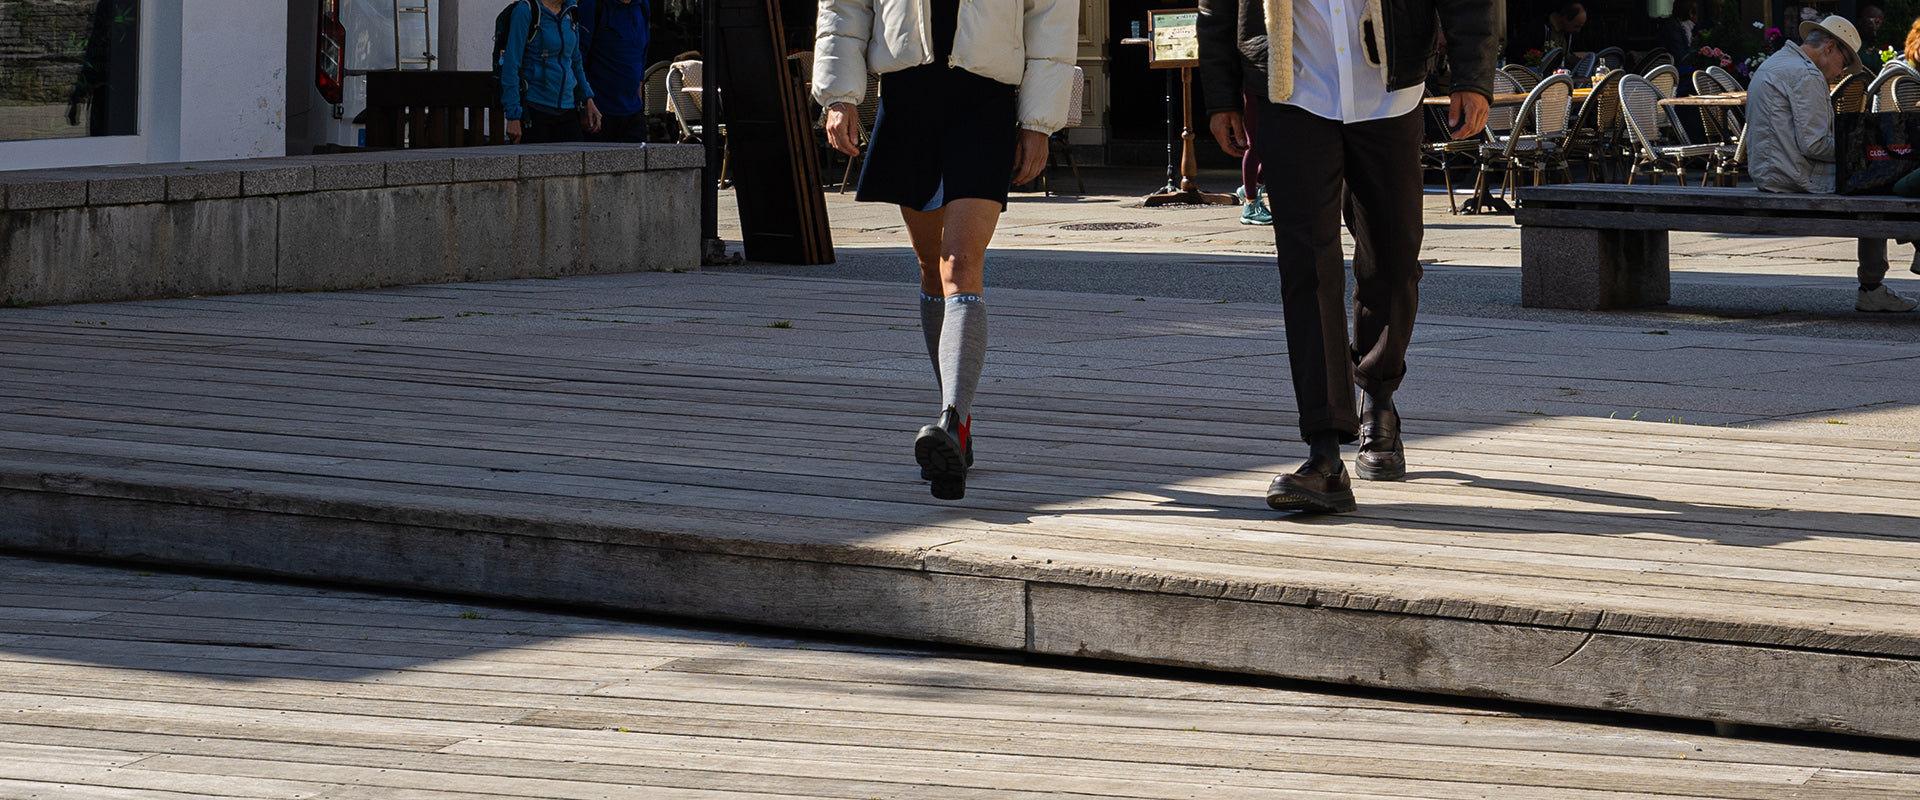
613	36
1337	87
1790	136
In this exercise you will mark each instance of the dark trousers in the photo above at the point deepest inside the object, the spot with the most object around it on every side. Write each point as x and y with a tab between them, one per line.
1320	168
539	127
629	128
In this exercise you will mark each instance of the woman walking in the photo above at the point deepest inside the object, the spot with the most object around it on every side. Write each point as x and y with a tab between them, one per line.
950	137
543	80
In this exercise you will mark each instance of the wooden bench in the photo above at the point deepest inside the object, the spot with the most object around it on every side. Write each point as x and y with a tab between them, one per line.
1596	246
433	109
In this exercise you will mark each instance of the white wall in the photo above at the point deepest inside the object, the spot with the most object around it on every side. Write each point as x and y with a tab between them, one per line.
212	86
472	26
233	90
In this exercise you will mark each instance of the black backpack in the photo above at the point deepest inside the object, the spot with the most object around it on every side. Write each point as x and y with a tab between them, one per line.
502	25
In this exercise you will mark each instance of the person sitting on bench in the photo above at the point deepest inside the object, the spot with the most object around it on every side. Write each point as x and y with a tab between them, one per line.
1790	135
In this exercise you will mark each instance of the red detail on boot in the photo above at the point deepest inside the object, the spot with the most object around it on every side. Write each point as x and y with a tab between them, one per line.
965	442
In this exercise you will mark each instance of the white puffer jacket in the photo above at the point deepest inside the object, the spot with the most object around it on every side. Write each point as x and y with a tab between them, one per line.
1030	44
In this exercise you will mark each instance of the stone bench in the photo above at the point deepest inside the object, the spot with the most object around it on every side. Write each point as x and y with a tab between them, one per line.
1597	246
347	221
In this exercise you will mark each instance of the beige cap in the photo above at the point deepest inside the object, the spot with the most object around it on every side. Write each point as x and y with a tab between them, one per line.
1839	28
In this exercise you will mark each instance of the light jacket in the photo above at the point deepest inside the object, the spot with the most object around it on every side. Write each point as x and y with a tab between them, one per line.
550	66
1030	44
1790	125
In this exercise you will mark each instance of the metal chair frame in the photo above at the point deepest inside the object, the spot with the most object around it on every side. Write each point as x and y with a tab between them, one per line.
1639	104
1597	129
1534	144
1552	60
1850	95
1523	75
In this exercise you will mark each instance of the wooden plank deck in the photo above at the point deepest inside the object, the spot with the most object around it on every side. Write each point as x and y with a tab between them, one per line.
736	448
179	687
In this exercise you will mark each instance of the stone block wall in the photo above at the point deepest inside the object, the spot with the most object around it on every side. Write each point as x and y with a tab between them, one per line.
346	221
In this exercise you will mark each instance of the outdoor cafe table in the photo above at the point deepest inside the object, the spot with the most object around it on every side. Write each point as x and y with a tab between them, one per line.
1730	99
1513	99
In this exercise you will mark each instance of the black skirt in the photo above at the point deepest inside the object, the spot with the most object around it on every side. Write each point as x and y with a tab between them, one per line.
942	134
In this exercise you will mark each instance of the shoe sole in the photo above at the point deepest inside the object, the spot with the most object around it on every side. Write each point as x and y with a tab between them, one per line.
941	462
1367	473
927	474
1303	500
1255	222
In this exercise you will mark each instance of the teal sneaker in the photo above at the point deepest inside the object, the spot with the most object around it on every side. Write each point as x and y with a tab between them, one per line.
1255	213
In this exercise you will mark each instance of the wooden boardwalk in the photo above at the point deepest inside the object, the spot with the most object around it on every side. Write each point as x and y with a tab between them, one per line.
117	685
737	448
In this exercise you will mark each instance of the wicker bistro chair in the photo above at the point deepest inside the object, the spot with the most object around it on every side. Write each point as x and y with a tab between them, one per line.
1500	119
1535	143
1728	162
1652	155
1897	91
657	101
1582	70
689	109
1720	123
1880	90
1666	78
1598	132
1654	58
1850	95
1554	59
1612	58
1523	75
1728	83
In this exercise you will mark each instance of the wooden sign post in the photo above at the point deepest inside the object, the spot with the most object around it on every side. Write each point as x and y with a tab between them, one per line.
1174	43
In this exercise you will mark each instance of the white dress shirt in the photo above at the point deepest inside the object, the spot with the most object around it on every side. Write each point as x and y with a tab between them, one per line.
1331	75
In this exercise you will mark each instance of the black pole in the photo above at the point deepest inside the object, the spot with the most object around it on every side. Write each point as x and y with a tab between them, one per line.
1173	135
712	250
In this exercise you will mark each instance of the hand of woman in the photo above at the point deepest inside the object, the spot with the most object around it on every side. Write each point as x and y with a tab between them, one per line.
591	117
513	131
1029	156
843	128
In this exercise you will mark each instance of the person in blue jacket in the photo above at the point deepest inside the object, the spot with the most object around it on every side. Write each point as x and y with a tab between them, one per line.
551	100
614	34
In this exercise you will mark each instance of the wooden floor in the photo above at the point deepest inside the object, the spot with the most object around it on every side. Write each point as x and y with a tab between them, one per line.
123	685
738	448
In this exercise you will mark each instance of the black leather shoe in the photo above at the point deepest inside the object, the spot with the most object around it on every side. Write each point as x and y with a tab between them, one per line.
942	452
1318	485
966	445
1382	456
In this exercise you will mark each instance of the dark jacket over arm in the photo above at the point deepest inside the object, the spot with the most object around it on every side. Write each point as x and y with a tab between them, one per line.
1233	46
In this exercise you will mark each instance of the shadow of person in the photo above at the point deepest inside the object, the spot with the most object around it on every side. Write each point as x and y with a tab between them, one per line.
1624	513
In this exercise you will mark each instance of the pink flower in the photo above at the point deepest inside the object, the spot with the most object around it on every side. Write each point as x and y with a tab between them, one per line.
1774	33
1726	62
1706	50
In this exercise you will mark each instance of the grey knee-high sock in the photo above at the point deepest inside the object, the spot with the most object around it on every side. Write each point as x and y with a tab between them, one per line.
933	312
963	351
